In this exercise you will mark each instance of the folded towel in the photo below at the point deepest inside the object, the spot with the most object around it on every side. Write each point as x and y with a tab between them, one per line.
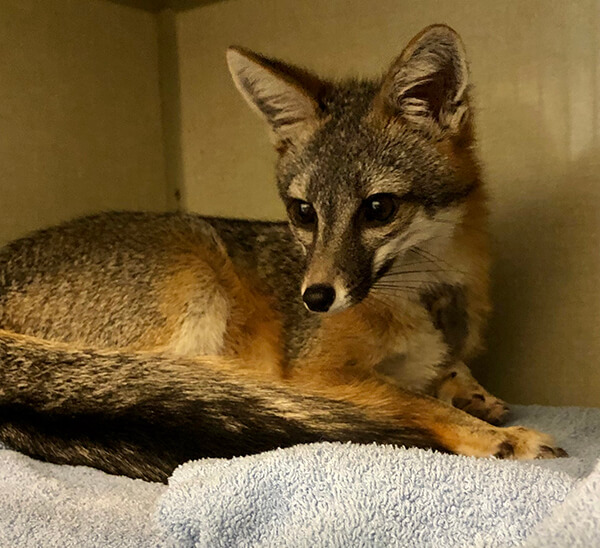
574	523
349	495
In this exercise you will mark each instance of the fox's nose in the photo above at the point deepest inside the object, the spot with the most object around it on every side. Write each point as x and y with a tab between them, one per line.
319	297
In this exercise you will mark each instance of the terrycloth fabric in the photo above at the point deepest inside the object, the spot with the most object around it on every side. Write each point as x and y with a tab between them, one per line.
574	523
320	495
46	505
348	495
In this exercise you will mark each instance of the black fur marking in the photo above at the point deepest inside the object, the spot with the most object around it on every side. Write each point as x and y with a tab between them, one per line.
435	196
505	450
384	269
447	306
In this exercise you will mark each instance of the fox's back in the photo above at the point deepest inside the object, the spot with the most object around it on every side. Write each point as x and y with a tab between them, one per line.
115	279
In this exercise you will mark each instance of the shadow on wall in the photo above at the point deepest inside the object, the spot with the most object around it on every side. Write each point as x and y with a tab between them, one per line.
543	348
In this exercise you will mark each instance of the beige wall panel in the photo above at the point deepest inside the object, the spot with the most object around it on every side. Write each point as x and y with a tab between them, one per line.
80	123
537	84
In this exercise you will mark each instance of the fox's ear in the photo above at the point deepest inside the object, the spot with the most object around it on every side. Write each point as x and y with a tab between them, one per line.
427	84
282	94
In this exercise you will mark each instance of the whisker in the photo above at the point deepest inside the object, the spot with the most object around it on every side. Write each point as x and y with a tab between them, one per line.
399	282
403	281
424	258
397	268
434	258
392	292
405	289
422	253
411	265
402	286
428	271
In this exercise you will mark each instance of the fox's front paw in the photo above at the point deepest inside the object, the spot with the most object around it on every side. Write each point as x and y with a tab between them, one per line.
484	406
458	388
523	443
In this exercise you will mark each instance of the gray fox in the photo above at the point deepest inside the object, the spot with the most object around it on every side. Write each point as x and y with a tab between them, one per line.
132	342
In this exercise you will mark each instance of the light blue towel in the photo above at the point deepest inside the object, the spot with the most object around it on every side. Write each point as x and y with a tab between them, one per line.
344	495
47	505
320	495
575	522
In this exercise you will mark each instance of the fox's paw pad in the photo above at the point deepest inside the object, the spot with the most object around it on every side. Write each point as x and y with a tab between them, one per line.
483	406
523	443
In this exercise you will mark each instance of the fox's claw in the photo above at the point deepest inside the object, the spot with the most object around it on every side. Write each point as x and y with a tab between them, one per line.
484	406
524	443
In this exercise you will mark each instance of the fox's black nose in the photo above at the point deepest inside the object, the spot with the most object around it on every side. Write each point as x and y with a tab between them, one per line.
319	297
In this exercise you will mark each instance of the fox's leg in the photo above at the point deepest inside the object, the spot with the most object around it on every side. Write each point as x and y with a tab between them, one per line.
468	435
451	429
459	388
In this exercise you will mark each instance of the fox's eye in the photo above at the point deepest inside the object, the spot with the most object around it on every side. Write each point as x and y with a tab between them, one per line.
302	214
379	209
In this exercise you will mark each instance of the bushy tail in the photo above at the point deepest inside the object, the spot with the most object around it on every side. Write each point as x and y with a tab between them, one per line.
142	414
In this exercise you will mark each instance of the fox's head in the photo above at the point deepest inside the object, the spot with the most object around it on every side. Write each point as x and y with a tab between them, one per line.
367	169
